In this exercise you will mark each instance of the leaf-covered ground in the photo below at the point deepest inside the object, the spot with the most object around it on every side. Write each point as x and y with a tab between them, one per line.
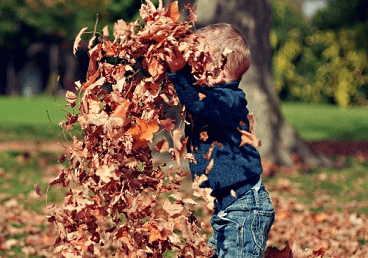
321	212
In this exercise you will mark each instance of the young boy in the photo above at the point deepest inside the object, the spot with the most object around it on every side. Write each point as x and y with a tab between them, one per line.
243	212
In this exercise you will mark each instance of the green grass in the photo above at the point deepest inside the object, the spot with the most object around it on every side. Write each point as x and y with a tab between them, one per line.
31	119
343	187
20	171
327	122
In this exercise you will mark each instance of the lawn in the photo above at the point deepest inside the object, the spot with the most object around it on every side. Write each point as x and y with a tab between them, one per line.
37	119
327	122
331	202
31	119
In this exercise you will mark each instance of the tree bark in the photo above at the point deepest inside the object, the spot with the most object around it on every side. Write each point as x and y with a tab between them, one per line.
253	19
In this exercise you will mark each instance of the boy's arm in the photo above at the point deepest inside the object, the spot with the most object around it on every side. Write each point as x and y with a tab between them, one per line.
225	107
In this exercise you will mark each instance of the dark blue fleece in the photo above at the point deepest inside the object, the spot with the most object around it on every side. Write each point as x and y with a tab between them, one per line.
219	114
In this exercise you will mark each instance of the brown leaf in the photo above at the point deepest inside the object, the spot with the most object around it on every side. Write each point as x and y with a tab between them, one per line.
122	109
168	124
78	40
162	146
173	11
203	136
38	189
251	122
172	208
248	138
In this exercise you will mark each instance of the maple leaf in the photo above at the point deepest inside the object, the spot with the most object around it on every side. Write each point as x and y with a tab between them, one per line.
143	129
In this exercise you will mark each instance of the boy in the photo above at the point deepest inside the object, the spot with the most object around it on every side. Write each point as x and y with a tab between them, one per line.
243	212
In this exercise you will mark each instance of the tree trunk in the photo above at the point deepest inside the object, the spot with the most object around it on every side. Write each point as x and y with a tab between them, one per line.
253	18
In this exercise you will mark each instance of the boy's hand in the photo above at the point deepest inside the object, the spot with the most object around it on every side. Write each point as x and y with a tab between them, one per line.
175	59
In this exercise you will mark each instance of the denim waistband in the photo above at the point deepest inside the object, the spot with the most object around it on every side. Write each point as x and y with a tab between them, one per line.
226	196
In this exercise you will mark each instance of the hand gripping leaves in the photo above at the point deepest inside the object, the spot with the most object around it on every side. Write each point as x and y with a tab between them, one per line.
114	206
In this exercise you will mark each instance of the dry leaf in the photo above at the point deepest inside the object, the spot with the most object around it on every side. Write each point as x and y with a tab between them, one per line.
78	40
203	136
248	138
201	96
209	166
38	189
173	11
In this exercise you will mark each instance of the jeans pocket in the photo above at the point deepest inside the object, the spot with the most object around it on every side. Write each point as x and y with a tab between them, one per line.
228	232
261	225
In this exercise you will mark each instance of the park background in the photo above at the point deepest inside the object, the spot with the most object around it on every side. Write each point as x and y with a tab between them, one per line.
320	74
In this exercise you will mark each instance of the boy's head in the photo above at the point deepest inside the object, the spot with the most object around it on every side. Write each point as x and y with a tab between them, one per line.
221	36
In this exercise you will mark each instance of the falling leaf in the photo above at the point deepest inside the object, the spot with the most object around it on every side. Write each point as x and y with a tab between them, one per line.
78	40
201	96
162	146
143	129
168	124
203	136
173	11
209	166
251	122
71	97
232	193
172	208
248	138
38	189
122	109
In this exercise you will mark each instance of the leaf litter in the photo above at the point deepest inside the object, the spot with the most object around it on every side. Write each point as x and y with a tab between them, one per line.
117	203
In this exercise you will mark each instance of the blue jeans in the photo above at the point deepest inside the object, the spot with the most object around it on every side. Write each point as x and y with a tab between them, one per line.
241	229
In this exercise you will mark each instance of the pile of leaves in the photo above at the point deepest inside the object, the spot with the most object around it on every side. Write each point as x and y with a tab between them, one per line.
111	208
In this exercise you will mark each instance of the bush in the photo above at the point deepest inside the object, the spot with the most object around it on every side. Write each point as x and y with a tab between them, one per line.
318	66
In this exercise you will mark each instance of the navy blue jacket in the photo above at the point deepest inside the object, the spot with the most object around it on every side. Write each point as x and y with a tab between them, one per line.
220	114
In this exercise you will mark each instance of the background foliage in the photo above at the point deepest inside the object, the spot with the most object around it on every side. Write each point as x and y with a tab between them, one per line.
322	59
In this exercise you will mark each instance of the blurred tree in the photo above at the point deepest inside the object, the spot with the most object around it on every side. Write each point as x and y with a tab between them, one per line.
341	13
280	142
324	64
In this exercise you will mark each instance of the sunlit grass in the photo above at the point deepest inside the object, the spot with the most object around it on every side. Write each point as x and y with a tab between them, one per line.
327	122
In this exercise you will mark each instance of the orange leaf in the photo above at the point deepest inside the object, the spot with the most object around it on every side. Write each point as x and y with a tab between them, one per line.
201	96
143	130
122	109
173	11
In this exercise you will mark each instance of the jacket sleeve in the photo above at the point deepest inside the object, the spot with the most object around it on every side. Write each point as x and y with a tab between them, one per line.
221	105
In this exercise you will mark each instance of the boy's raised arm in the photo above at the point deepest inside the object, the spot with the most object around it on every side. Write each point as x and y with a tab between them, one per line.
225	106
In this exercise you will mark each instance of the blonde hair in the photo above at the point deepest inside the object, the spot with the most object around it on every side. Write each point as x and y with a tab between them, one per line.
221	36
